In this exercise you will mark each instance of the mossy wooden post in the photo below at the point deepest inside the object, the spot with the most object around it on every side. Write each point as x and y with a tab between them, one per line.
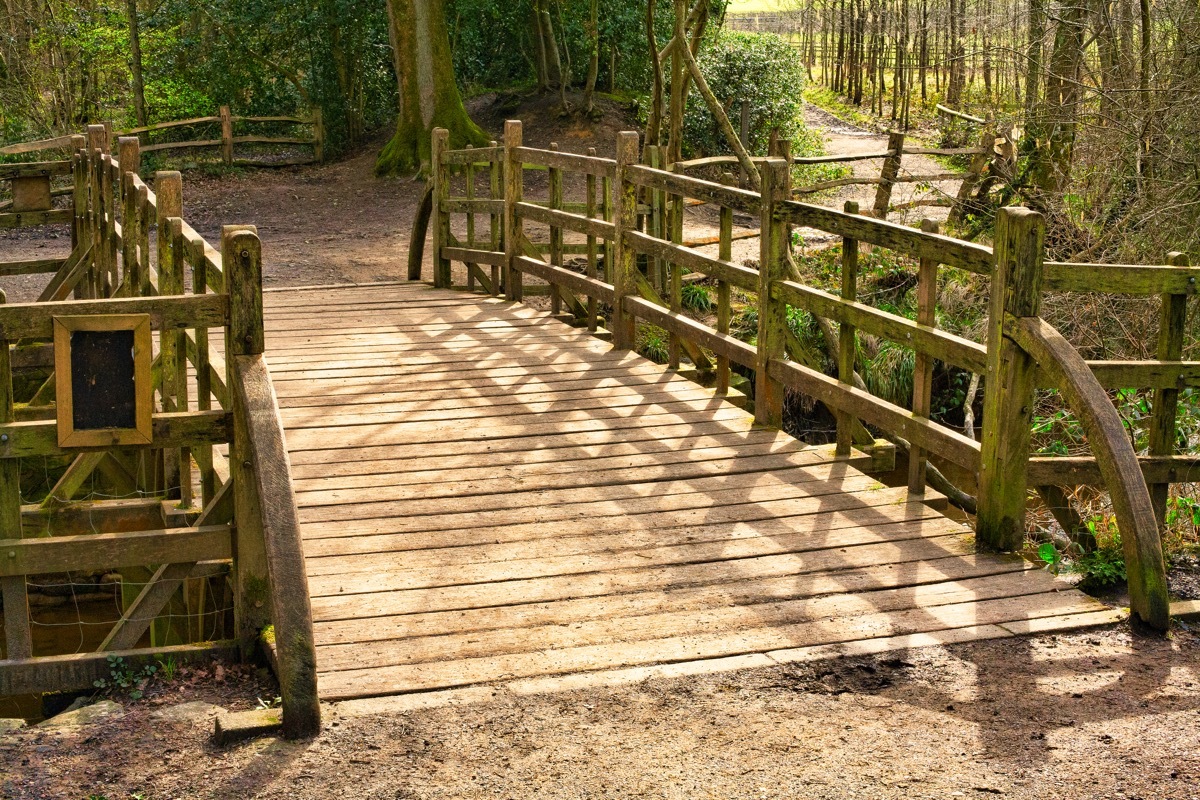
606	213
241	255
97	146
469	175
203	365
13	589
847	336
590	211
129	156
772	313
1009	381
318	123
724	307
171	283
556	232
1171	327
440	174
226	135
624	274
887	176
514	174
79	227
675	226
496	178
168	186
927	294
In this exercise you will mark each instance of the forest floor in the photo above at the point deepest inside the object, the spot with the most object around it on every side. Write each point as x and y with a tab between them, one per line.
1097	714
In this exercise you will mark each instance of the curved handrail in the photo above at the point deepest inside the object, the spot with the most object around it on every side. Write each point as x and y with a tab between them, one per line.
1070	374
291	607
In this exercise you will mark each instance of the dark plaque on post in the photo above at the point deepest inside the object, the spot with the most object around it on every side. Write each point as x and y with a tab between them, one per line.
102	380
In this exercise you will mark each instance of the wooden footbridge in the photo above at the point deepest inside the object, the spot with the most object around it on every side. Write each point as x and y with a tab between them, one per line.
432	487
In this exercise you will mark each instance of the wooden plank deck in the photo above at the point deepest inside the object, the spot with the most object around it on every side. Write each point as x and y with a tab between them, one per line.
488	495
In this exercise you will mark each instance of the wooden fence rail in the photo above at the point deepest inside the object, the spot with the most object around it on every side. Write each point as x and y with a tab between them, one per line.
184	497
635	269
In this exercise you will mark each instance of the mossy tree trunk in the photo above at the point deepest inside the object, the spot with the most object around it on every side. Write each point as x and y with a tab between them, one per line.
429	97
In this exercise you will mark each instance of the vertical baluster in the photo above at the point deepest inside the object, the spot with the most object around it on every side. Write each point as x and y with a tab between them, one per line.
556	232
1171	328
168	186
18	636
179	264
590	210
606	211
624	268
847	338
513	190
927	293
203	366
772	313
495	174
725	253
442	277
650	159
469	175
675	222
79	228
130	161
97	144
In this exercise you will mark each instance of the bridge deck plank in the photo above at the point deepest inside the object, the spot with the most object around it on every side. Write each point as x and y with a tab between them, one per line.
490	496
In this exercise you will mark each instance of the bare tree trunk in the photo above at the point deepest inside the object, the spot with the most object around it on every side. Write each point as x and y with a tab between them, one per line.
135	62
593	31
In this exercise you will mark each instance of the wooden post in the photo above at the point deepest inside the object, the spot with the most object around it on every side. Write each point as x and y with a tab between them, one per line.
318	123
174	360
1171	327
556	232
204	454
772	313
440	173
97	147
927	294
241	255
1010	381
168	186
226	135
496	179
887	177
624	275
469	175
129	156
847	336
675	224
514	174
79	225
13	589
724	308
590	211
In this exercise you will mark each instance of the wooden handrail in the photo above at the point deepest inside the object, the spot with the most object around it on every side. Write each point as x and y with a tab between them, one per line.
1118	463
280	528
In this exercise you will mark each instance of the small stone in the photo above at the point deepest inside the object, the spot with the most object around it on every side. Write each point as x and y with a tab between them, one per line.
11	724
105	709
242	725
195	711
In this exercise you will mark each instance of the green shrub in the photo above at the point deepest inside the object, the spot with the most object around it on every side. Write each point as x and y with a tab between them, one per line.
696	298
759	67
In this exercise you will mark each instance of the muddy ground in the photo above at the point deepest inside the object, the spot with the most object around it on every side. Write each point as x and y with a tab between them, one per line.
1093	715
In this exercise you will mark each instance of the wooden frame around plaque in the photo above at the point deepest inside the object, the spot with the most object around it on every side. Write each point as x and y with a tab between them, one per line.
109	356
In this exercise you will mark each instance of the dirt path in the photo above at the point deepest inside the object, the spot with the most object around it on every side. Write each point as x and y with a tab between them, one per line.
1091	715
844	138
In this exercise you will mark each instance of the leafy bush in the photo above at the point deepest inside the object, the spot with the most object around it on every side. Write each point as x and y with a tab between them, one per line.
697	298
759	67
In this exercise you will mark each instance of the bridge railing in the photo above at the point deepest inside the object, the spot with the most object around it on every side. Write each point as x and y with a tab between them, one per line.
213	407
643	276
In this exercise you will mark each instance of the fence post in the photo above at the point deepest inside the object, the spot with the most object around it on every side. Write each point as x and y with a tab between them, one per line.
79	203
1171	326
13	589
440	174
624	257
1010	381
97	147
927	293
887	177
226	136
241	256
129	156
318	123
772	313
513	187
847	335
